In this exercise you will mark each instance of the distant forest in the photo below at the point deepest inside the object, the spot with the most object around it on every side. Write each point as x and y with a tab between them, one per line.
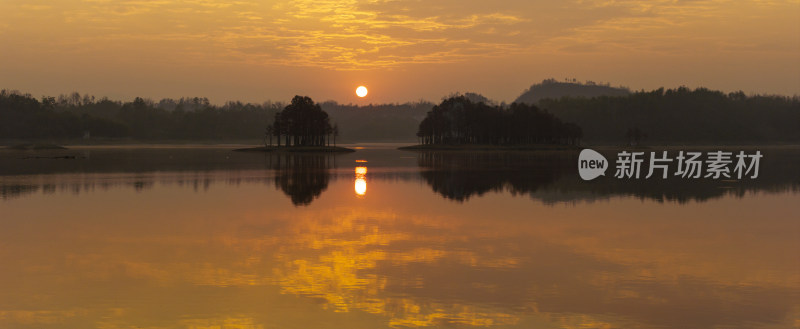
682	116
76	116
607	115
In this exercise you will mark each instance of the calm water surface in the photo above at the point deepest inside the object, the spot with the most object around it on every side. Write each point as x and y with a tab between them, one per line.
200	237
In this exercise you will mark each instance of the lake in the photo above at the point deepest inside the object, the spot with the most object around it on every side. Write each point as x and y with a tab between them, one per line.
202	237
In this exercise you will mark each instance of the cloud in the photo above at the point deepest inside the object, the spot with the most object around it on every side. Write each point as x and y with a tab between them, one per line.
358	35
339	35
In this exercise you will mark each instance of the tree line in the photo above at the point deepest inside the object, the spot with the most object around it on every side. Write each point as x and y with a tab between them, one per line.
682	115
78	116
72	116
459	120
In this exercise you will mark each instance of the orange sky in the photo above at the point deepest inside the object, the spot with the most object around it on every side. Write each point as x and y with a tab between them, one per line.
403	50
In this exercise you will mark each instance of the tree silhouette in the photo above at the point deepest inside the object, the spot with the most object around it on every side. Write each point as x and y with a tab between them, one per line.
668	116
683	116
335	133
302	123
459	120
268	135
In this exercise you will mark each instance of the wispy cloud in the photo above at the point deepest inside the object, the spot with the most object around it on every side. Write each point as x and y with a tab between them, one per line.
340	35
346	35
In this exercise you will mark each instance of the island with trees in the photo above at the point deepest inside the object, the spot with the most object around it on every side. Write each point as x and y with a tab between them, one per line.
459	122
302	126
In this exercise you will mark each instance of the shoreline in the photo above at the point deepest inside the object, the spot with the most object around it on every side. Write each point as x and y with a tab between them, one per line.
296	149
485	147
35	147
599	147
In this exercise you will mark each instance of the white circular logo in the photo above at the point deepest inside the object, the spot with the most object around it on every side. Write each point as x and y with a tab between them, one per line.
591	164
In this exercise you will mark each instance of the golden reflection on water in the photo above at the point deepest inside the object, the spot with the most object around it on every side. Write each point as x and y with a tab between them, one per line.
361	181
345	267
236	257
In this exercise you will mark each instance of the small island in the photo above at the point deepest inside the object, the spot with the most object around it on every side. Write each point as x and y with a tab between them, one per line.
462	123
301	126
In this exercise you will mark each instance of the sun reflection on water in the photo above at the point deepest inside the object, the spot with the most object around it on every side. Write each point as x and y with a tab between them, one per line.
343	261
486	263
361	181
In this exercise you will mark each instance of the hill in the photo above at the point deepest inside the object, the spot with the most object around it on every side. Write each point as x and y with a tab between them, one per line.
550	88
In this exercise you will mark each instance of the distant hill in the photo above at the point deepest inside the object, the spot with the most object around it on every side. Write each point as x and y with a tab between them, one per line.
550	88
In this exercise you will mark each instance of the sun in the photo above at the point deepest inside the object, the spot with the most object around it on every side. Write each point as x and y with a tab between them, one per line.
361	91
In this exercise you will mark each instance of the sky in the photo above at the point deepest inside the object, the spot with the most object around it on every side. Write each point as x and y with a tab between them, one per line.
402	50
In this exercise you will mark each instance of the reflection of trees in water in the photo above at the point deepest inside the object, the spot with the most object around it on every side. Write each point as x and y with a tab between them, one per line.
553	177
16	190
459	176
303	177
20	189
